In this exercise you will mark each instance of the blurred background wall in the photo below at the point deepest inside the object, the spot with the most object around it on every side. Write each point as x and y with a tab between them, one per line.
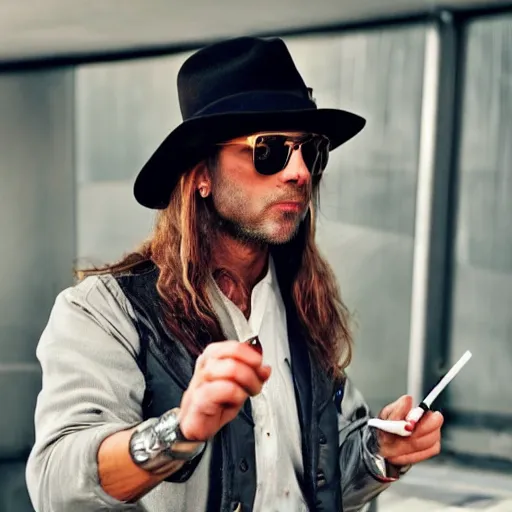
424	283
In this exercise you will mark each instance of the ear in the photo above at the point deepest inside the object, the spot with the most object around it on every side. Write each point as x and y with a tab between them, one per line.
203	180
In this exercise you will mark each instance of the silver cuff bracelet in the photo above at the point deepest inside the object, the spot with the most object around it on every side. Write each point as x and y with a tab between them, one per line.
158	442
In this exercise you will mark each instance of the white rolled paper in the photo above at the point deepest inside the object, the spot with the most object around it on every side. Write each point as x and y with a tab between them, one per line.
398	427
393	427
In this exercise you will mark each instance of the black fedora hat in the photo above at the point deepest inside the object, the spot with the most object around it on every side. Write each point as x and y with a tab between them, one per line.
234	88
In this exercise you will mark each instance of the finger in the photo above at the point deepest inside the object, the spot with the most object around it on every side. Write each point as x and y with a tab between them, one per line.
409	445
231	349
397	410
430	422
236	371
424	442
414	458
218	393
264	372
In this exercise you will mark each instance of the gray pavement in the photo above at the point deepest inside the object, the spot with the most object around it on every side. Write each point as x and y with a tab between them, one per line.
448	487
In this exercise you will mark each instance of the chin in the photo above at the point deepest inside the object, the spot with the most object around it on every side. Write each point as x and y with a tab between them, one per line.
282	235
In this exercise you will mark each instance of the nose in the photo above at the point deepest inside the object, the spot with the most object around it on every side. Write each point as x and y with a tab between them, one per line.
296	170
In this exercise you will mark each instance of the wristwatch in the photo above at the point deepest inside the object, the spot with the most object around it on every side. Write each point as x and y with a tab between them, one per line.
159	441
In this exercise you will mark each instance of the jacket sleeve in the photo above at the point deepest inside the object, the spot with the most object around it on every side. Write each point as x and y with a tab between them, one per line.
364	472
92	387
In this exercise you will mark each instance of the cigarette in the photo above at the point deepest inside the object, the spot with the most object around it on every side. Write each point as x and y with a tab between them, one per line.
405	427
455	369
416	414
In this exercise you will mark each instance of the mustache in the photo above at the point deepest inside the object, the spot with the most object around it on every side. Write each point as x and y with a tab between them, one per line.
295	196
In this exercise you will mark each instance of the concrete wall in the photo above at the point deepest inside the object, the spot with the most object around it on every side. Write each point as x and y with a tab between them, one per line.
37	230
482	309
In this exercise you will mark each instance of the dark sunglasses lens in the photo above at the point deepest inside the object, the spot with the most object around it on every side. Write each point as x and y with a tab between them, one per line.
270	154
315	153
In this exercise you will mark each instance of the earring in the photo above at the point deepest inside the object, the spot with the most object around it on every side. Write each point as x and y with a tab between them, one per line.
203	192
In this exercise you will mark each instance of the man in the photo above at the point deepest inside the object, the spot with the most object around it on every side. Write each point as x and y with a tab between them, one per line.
150	401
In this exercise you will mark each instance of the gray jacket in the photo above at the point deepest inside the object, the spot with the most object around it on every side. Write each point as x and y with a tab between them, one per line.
93	386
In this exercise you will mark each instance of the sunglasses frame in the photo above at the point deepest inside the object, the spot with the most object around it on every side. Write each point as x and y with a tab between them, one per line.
293	145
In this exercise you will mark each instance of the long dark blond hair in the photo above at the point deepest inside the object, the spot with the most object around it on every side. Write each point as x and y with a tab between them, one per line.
180	246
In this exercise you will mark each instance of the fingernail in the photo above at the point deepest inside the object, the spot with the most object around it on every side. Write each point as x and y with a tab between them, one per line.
255	344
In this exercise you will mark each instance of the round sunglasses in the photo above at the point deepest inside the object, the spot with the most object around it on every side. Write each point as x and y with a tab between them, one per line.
271	152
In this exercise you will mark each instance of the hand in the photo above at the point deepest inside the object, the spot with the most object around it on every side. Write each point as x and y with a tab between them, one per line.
225	375
422	444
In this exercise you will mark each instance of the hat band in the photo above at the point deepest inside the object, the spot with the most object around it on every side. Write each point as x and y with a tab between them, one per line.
257	101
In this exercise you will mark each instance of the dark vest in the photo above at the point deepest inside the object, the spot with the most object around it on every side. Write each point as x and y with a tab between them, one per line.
168	368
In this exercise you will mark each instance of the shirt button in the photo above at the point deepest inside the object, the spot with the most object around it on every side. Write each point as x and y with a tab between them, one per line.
320	478
322	439
243	466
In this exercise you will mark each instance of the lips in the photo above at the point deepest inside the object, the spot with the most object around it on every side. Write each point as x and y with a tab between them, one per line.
289	207
297	202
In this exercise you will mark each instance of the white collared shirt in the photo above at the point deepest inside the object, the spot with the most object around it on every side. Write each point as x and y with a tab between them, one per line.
274	410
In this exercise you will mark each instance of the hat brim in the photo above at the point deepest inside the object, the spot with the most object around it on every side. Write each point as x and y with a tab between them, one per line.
191	141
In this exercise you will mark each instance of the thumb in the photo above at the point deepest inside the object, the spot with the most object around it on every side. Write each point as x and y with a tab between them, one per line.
397	410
